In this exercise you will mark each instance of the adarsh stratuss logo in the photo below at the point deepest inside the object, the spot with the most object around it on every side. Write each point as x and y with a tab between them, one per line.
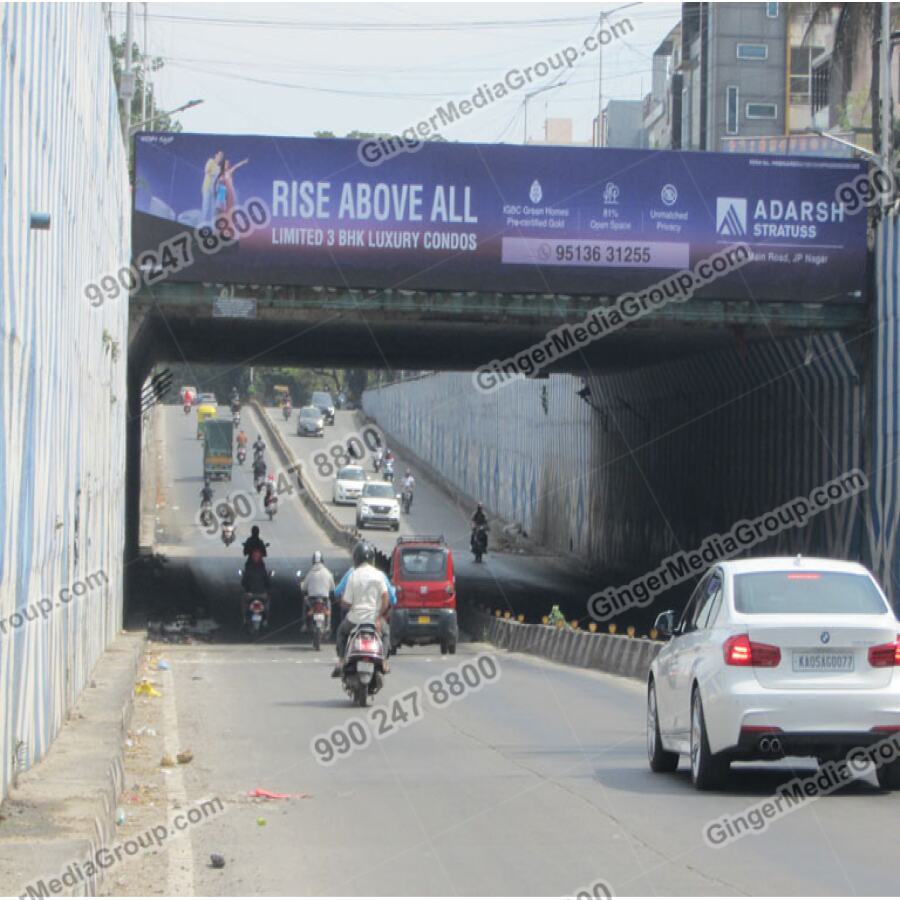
731	216
535	193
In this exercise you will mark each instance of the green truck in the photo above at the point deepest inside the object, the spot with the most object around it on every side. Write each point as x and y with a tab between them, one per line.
217	448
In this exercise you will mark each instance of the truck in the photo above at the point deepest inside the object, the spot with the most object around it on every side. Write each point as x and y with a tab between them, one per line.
217	448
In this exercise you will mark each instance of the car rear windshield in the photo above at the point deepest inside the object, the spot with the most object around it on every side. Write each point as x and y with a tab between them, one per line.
424	564
319	397
378	490
310	412
827	593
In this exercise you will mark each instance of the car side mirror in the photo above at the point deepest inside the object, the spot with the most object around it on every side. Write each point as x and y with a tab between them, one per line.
665	623
240	573
299	573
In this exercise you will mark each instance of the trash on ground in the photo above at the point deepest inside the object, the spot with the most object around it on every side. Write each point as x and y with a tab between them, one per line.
162	664
181	629
167	762
147	689
185	756
260	821
120	816
217	861
263	794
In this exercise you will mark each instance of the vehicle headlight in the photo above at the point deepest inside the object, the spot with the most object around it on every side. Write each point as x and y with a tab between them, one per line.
364	509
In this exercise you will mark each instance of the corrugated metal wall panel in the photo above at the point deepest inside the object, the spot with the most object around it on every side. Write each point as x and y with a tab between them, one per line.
660	458
62	396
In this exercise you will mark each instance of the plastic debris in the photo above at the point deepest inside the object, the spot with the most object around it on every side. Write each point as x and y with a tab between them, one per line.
129	743
184	757
147	689
120	816
167	762
263	794
162	664
217	861
260	821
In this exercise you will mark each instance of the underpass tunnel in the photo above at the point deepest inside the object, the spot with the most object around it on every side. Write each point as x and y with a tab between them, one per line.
609	474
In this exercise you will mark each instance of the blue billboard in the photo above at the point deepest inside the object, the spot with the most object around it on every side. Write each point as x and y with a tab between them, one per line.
485	217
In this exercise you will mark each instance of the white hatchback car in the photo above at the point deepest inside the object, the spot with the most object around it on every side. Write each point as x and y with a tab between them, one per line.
775	657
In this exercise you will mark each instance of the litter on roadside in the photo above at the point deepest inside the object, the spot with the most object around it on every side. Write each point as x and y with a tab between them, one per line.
263	794
184	757
147	689
167	762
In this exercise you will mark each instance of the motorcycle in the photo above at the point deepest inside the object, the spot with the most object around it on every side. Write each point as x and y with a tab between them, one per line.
228	533
376	462
236	419
389	471
241	455
187	408
256	616
271	505
206	513
479	541
286	412
363	672
406	500
259	479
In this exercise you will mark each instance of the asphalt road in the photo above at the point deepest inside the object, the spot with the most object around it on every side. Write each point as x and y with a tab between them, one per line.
535	785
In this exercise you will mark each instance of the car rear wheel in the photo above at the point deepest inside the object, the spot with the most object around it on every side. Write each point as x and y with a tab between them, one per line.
889	776
444	648
661	760
708	770
451	648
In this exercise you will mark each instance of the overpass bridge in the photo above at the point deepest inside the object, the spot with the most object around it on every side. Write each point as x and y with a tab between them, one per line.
779	346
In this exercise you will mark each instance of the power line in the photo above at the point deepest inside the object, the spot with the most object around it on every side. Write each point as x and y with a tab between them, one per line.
381	26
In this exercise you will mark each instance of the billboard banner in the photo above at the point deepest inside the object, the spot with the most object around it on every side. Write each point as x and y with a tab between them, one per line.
485	217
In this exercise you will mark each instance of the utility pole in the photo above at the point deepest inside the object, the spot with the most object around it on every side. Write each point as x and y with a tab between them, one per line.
600	82
884	79
145	80
126	87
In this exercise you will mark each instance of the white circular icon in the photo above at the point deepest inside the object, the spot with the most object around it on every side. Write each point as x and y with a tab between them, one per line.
669	194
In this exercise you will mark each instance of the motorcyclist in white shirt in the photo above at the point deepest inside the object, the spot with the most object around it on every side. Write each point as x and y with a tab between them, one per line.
319	582
368	601
409	484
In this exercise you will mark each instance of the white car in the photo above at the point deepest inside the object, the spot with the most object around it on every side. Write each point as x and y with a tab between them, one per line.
378	505
348	484
775	657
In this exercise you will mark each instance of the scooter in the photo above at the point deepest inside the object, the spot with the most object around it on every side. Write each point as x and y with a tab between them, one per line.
271	504
479	541
406	500
236	419
241	455
257	615
286	412
206	513
363	673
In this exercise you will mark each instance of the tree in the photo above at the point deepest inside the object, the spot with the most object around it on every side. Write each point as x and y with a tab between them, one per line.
161	121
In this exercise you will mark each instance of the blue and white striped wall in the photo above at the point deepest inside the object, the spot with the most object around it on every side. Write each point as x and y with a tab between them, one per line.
883	522
655	459
62	393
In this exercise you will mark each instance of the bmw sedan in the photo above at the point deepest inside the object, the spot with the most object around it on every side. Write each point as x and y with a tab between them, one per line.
348	484
776	657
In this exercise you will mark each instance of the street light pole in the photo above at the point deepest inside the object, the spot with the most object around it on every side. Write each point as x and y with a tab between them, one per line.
528	96
884	85
126	88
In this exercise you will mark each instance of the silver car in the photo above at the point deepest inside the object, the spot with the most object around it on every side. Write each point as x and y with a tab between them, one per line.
310	422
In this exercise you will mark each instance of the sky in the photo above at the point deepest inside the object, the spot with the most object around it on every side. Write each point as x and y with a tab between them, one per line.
296	68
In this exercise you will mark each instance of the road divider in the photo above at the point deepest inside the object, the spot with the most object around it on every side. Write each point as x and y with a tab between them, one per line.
337	532
613	653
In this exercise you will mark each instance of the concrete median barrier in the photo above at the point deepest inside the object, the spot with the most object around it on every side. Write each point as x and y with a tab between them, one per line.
613	653
337	532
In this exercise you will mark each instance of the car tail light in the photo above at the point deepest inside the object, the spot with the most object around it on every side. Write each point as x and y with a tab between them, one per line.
741	651
884	655
886	729
367	645
256	606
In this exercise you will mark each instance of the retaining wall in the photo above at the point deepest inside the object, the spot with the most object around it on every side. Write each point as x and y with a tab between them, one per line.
62	367
624	469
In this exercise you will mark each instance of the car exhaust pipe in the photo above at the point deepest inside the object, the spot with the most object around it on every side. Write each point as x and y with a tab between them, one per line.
775	745
765	745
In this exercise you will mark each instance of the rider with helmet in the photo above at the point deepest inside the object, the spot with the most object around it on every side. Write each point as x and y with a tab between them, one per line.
367	600
318	584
